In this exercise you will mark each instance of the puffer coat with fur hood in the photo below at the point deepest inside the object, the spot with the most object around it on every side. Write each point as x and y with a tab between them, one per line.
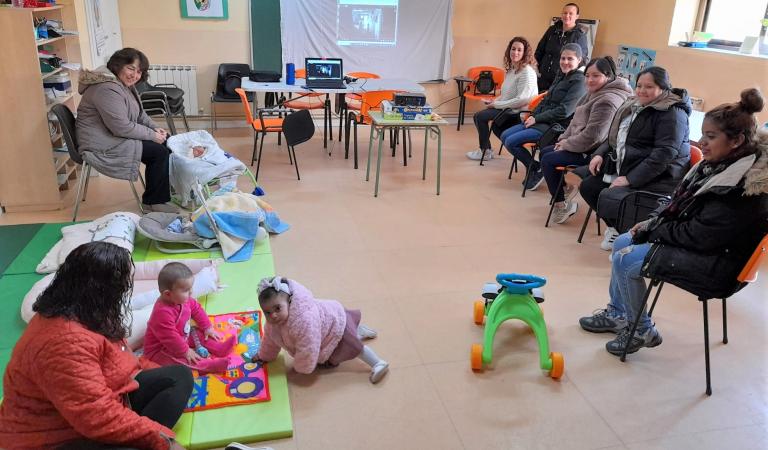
704	246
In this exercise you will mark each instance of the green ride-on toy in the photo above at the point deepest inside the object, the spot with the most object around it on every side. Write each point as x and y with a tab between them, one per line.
515	299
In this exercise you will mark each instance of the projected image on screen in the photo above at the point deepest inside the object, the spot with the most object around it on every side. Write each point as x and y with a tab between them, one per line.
366	22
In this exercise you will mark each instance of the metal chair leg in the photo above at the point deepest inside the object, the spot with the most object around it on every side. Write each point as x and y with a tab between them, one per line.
706	345
292	149
214	125
410	144
184	118
655	299
354	134
255	143
141	178
725	324
637	318
136	196
261	149
597	219
80	188
87	181
584	226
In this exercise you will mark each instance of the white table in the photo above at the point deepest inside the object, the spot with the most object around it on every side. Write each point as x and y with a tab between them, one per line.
361	85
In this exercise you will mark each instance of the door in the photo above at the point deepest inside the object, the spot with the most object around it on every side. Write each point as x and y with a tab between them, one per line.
104	30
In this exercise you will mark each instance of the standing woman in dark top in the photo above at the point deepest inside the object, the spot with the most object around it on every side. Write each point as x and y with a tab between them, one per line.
564	31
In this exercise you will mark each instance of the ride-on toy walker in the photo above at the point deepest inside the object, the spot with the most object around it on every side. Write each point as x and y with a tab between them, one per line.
514	300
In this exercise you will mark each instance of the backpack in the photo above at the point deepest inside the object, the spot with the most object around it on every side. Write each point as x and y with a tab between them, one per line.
232	81
484	83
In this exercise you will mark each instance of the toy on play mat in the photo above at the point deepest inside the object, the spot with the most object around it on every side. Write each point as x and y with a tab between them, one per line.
243	381
515	297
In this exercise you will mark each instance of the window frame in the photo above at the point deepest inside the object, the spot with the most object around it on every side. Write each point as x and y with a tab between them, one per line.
703	17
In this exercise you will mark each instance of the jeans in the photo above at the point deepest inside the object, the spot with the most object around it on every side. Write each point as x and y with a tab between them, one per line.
627	287
514	138
482	121
162	396
550	159
155	157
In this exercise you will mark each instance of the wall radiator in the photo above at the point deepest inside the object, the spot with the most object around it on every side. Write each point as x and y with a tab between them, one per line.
182	75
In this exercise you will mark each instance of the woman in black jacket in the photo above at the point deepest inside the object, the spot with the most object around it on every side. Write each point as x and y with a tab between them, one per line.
704	237
647	148
564	31
555	108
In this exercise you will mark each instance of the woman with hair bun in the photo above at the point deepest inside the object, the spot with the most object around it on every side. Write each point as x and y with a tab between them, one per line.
587	130
703	238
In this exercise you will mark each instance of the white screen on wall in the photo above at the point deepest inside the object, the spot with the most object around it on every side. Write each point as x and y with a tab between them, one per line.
392	38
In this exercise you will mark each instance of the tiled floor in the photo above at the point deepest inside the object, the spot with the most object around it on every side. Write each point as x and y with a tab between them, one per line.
414	262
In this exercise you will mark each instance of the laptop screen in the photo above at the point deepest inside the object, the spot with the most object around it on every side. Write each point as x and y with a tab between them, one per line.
323	69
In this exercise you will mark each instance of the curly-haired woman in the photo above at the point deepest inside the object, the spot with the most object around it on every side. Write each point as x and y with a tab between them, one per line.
518	88
72	382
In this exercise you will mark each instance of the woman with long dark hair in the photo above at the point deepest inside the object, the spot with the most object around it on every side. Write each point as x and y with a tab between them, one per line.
114	133
72	382
518	88
703	238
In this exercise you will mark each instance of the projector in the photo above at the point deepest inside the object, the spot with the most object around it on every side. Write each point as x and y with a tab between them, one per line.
410	99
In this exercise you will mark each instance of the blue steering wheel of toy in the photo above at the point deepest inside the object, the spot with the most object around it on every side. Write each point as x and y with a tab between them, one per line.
516	283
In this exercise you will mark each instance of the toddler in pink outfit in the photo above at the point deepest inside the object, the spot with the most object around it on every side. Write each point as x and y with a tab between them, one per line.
315	332
171	338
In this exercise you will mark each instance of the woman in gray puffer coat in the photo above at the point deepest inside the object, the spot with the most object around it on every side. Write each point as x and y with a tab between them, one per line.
114	133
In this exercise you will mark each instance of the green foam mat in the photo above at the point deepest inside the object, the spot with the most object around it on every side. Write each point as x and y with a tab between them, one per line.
13	288
241	280
36	249
13	239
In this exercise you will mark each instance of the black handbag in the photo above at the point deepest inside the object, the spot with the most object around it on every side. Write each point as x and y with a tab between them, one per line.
507	118
550	136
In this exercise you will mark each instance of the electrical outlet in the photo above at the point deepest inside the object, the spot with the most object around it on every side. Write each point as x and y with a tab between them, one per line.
697	103
201	111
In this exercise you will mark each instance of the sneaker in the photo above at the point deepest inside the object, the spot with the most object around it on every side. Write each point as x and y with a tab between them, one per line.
560	215
570	192
364	332
477	155
379	370
601	321
160	207
534	180
610	235
647	338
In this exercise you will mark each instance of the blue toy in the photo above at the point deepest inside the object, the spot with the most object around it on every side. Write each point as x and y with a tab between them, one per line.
514	300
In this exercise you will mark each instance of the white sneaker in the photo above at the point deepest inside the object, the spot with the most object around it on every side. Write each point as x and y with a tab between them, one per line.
364	332
239	446
477	155
379	370
570	192
610	235
562	214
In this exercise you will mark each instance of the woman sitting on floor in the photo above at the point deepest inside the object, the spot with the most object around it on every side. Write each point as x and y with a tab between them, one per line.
114	133
518	89
555	109
72	382
587	130
647	148
704	237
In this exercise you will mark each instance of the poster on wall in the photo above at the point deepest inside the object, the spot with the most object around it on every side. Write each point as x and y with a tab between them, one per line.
204	9
632	60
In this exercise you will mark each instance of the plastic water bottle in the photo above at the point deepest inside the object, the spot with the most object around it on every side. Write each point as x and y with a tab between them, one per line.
290	73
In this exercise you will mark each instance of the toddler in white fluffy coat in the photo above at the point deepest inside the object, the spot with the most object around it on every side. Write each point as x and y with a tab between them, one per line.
315	332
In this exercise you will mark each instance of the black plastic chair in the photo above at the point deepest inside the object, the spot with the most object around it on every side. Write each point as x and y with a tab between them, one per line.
298	127
67	122
164	99
220	95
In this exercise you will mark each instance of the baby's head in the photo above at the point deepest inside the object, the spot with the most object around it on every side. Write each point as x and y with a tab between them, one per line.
274	298
198	151
175	283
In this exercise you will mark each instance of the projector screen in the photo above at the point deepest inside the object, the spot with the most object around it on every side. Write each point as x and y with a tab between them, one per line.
391	38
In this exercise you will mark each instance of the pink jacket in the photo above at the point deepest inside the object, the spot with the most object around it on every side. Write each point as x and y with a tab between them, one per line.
311	333
168	330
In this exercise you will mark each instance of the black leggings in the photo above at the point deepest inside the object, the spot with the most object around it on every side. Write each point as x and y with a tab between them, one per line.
162	396
155	157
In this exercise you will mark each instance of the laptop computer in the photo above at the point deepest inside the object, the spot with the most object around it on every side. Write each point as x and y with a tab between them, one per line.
324	73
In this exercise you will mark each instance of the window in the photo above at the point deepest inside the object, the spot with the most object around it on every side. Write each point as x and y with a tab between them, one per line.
732	21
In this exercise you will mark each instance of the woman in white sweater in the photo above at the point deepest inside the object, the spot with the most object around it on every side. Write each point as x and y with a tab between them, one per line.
518	89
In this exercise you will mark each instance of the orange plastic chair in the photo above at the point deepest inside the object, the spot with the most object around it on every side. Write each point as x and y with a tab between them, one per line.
467	91
369	101
351	101
261	125
747	275
696	155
